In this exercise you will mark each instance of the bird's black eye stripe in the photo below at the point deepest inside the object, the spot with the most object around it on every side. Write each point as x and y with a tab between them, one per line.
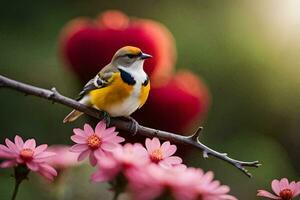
130	55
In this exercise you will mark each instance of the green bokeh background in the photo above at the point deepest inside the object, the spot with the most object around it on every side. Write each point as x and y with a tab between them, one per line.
248	53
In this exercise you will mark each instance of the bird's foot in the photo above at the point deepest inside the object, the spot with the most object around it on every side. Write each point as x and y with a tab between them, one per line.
134	125
106	118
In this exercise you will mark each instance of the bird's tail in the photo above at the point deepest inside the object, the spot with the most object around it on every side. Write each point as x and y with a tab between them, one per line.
72	116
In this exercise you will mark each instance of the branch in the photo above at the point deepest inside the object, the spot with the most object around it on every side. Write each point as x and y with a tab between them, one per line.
125	125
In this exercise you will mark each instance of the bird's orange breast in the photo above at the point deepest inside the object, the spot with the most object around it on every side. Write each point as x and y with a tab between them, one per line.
116	92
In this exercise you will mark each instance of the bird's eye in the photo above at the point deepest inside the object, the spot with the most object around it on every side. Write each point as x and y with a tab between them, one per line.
130	56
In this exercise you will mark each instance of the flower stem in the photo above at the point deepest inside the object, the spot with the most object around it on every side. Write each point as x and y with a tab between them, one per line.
118	185
21	173
17	184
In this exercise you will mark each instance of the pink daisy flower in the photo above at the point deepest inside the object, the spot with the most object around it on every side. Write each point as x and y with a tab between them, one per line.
209	189
152	182
26	153
162	154
92	143
122	158
282	189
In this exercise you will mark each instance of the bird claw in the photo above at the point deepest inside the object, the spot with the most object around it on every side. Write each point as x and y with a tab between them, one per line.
134	125
106	118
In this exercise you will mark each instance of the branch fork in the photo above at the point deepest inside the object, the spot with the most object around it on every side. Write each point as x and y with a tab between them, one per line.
193	140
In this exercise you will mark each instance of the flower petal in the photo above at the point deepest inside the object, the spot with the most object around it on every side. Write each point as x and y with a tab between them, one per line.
108	132
78	139
83	155
207	177
151	145
218	188
99	154
227	197
109	137
118	139
39	149
5	155
108	146
173	160
148	145
297	189
155	143
5	150
19	142
78	131
11	146
7	164
93	160
276	186
79	147
29	144
170	151
263	193
113	138
49	169
100	128
99	176
46	175
293	186
45	154
165	146
284	184
32	166
88	130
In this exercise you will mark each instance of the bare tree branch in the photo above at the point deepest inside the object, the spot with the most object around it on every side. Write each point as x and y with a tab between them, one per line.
124	125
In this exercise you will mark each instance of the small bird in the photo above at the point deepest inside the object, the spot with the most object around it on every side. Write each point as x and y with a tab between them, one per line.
120	88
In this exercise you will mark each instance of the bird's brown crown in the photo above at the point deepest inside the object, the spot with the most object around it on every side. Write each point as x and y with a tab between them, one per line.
128	50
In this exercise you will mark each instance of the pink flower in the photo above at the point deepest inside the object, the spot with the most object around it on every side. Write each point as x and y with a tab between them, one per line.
153	182
92	143
209	189
64	157
20	153
162	154
283	190
122	158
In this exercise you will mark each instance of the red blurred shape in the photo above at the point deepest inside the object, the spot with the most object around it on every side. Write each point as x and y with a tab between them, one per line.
87	46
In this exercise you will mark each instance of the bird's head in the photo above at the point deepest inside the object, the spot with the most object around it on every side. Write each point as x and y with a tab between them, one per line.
129	57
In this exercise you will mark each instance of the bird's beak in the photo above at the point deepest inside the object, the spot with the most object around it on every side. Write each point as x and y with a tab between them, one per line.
145	56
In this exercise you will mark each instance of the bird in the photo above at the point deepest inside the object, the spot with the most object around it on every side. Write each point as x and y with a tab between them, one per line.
120	88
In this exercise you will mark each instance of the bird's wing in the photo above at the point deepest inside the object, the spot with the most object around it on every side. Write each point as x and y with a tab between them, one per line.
102	79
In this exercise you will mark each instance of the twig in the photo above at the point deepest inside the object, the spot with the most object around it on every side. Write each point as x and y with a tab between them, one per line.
193	140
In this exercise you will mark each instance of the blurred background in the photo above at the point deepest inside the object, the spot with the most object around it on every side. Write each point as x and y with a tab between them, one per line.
244	53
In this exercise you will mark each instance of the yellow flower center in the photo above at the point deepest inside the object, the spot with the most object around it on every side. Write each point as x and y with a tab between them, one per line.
156	155
286	194
26	154
94	141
